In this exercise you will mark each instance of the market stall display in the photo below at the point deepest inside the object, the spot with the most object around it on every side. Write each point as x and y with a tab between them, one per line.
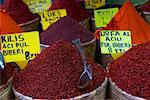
126	19
21	14
131	73
117	39
55	73
68	29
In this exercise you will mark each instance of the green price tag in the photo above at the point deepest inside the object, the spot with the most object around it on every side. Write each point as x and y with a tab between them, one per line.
94	4
20	47
115	41
37	6
49	17
104	16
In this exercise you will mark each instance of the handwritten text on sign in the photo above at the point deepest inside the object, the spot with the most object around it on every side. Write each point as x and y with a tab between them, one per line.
37	6
93	4
115	41
49	17
104	16
20	47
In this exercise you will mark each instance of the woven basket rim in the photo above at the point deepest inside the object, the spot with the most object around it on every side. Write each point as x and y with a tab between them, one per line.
8	81
93	40
77	97
29	22
146	13
86	43
123	92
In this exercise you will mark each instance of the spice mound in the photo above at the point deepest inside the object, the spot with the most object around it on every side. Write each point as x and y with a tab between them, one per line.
54	74
73	8
18	11
66	29
131	72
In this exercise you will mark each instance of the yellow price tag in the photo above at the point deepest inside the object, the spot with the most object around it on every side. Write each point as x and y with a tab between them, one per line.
115	56
104	16
94	4
37	6
22	64
20	47
49	17
115	41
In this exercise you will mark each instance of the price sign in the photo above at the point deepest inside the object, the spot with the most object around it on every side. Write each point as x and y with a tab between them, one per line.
20	47
104	16
37	6
94	4
49	17
115	41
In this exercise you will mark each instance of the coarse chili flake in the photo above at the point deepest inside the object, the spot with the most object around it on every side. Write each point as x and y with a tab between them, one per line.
18	11
131	72
54	74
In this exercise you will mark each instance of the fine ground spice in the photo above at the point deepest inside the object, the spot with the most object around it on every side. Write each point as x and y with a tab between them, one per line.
66	29
19	11
131	72
127	18
54	73
73	8
7	24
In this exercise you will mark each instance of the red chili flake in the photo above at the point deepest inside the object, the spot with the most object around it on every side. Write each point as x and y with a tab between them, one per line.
19	11
74	9
65	29
54	74
131	72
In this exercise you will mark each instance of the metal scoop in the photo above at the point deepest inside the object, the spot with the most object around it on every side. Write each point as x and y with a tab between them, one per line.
86	76
2	67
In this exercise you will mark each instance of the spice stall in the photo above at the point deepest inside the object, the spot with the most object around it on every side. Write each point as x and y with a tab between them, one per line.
74	50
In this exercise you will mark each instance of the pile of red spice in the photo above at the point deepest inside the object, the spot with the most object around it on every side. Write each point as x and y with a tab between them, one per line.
18	11
73	8
131	72
66	29
146	7
54	74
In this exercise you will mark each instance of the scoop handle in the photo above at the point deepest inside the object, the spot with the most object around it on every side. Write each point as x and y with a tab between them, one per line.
80	50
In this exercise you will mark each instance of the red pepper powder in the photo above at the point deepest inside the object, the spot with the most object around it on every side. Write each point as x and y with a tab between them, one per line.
19	11
54	74
73	8
131	72
65	29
